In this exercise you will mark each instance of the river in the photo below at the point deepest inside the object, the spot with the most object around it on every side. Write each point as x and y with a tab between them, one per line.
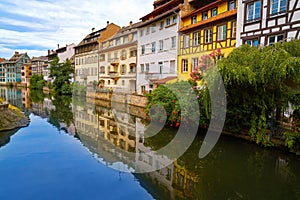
79	148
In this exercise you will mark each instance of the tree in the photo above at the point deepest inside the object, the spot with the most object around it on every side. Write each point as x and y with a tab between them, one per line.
61	72
36	81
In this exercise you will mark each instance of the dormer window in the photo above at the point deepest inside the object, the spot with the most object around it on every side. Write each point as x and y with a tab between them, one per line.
194	19
231	5
214	12
204	16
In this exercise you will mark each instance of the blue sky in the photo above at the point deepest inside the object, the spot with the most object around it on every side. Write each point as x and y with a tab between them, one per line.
34	26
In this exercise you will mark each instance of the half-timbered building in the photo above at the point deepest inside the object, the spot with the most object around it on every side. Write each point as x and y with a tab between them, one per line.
264	22
205	26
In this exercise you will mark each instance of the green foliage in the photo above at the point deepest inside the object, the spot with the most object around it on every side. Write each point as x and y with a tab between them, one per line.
63	112
176	100
36	82
61	72
37	96
259	81
292	141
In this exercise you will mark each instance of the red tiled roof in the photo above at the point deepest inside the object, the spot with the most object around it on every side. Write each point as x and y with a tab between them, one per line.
164	80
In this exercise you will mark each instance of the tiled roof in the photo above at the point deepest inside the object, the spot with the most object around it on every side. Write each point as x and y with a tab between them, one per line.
164	80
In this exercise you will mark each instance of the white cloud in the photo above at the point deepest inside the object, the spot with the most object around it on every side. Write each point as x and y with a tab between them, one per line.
48	23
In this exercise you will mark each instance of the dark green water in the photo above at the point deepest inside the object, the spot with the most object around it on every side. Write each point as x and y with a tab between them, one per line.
73	149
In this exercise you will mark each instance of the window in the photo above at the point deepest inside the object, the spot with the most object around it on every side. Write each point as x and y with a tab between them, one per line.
118	41
222	32
278	6
162	25
123	54
174	19
160	64
153	47
147	67
141	32
253	11
161	45
276	38
143	49
186	41
252	42
168	21
142	68
153	29
231	5
194	19
184	65
214	12
204	16
123	82
233	29
132	52
102	70
102	57
123	69
195	63
147	30
208	36
196	39
173	40
134	36
126	39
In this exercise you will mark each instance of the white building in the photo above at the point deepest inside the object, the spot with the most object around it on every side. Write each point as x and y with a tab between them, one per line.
63	53
264	22
157	45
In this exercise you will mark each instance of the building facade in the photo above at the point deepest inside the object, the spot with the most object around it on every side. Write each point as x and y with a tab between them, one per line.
38	63
26	74
13	67
87	54
2	71
118	59
157	45
206	26
265	22
63	53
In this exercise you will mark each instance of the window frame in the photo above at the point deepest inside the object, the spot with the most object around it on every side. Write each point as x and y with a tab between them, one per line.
218	32
247	7
184	65
211	36
196	40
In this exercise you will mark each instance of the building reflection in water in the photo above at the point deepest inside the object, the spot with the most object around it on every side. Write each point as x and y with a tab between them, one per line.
113	135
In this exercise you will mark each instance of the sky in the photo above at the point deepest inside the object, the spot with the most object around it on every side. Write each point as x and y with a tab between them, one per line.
34	26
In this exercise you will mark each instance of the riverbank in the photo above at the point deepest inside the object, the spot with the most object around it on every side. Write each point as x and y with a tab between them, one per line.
11	117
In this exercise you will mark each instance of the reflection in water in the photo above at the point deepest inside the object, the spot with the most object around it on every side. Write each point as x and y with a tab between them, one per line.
235	169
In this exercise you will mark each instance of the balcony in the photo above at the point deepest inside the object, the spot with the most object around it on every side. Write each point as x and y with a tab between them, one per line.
153	76
114	61
114	74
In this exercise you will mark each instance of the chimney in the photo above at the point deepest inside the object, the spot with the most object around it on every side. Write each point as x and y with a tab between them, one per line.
130	23
48	52
57	46
93	29
16	52
107	23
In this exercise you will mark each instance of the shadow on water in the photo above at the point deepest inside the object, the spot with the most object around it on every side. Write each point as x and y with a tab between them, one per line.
5	136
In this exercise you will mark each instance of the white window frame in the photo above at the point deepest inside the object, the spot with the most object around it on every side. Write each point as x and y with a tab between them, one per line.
161	45
186	41
277	5
276	38
196	39
222	34
208	36
185	65
256	12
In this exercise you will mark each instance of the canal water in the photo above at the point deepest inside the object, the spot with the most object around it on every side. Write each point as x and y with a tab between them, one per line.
79	148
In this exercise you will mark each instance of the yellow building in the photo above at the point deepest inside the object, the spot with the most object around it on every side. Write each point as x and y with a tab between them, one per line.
204	28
